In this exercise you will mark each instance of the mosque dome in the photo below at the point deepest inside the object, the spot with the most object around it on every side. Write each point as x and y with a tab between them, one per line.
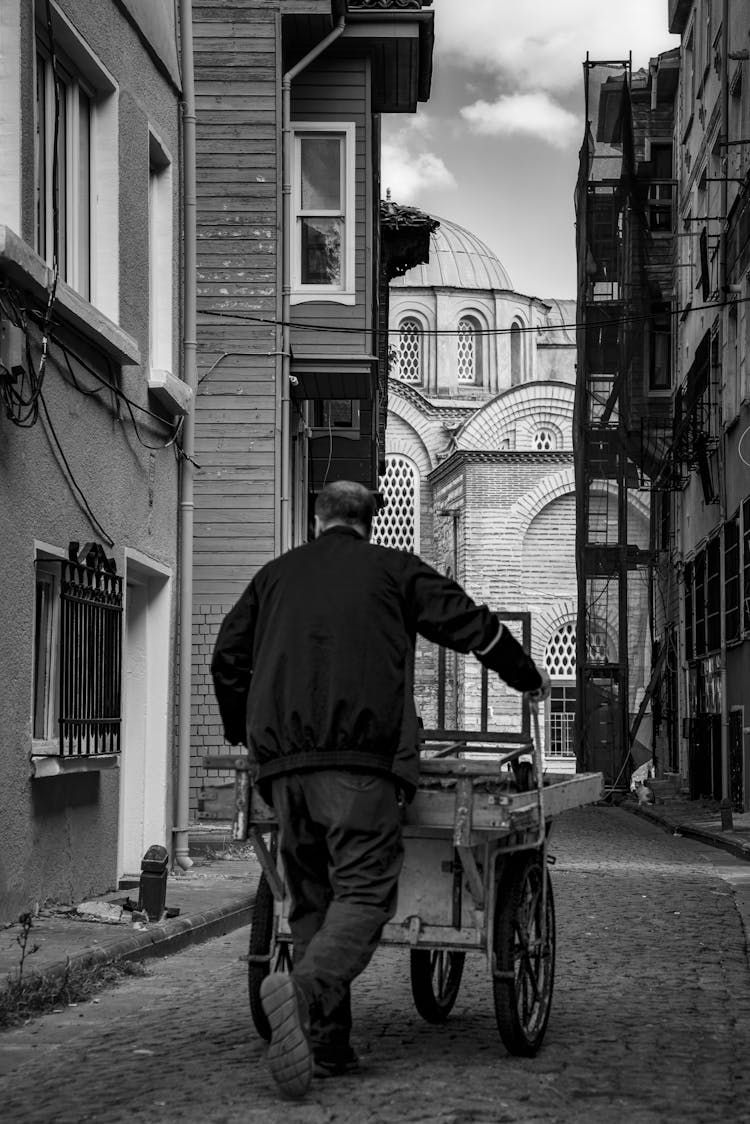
458	259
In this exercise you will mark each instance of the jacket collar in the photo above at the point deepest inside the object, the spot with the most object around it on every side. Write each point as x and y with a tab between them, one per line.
340	529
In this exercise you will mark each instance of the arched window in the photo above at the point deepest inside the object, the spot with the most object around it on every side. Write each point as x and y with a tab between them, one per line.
560	662
396	524
516	354
544	439
410	348
468	350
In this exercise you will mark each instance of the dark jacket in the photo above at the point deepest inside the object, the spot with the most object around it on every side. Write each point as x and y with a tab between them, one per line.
313	667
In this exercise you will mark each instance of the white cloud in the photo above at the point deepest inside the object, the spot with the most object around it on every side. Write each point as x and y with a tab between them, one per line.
542	44
408	167
532	114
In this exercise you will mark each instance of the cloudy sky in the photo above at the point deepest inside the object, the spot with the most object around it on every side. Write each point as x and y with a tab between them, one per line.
496	147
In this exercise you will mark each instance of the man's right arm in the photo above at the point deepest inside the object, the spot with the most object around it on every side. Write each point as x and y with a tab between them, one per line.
445	614
231	666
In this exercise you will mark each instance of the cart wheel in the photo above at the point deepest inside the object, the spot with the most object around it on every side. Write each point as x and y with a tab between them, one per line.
262	941
435	980
525	965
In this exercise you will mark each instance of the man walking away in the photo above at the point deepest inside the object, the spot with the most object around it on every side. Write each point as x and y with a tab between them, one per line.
313	671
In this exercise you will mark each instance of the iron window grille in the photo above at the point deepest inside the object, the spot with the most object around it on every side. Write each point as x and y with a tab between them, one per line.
90	646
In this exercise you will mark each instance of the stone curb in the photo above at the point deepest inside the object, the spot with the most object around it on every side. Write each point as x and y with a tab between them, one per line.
737	847
158	940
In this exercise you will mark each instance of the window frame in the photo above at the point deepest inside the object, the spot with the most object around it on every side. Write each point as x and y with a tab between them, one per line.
345	132
89	75
411	318
160	256
476	336
46	574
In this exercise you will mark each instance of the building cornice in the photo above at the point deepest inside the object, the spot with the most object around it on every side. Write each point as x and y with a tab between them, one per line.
462	457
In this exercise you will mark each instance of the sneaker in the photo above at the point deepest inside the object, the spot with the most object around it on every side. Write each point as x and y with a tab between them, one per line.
334	1062
290	1058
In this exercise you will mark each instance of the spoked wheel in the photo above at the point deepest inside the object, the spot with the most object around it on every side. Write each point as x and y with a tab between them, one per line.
525	961
265	954
435	980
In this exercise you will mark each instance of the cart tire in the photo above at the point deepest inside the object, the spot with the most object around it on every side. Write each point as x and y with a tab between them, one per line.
262	942
435	980
523	992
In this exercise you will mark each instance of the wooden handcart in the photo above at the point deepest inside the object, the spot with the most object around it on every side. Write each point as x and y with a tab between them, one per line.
475	878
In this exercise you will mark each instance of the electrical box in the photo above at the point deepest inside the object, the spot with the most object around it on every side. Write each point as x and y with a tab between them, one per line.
12	349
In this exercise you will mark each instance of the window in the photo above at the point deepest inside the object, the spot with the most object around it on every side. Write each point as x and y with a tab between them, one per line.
160	250
516	354
336	415
562	716
76	180
410	350
661	189
689	618
46	633
77	656
699	579
713	595
322	238
544	439
732	578
660	347
63	172
468	351
396	524
746	566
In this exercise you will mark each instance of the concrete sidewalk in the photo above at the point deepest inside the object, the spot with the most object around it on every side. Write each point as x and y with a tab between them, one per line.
214	897
696	819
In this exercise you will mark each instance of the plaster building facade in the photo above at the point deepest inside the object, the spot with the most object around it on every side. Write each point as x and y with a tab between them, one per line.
89	330
479	472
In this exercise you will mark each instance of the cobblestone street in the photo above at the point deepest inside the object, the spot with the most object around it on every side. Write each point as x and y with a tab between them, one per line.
650	1020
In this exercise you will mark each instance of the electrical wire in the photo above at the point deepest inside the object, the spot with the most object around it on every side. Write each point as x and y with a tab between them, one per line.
640	318
74	483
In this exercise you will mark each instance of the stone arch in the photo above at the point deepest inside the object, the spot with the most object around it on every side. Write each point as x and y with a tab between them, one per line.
428	436
496	422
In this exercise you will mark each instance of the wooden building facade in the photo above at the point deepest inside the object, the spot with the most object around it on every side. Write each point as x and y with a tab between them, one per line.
291	281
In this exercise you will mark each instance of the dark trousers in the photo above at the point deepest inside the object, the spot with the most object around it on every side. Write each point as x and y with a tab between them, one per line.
340	842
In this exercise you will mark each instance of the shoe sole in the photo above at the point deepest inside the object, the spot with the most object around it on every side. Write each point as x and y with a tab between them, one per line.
289	1055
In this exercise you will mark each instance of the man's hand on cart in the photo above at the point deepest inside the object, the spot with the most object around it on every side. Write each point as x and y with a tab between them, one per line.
543	691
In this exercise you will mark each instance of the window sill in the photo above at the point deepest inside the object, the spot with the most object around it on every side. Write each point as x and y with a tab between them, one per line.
49	766
323	296
24	268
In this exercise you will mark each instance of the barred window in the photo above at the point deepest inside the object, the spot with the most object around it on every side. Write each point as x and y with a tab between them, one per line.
77	655
468	350
410	350
396	524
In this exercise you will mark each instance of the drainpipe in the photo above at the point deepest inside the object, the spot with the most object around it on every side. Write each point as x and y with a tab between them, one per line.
189	374
286	286
723	280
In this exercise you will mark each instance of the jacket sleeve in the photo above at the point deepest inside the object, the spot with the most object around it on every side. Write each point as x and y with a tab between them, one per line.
231	666
445	614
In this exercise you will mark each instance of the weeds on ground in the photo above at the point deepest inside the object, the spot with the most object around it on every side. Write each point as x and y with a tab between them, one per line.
24	997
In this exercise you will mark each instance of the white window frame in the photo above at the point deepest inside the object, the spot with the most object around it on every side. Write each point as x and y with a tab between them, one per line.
160	257
344	293
87	73
47	572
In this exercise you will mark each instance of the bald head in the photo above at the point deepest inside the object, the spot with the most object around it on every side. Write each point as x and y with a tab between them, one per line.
344	503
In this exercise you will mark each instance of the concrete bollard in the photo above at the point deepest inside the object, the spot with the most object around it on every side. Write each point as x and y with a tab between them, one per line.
727	821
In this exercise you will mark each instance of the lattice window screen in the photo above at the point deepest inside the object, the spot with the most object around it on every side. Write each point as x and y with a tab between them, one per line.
560	656
410	350
467	356
396	524
544	439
